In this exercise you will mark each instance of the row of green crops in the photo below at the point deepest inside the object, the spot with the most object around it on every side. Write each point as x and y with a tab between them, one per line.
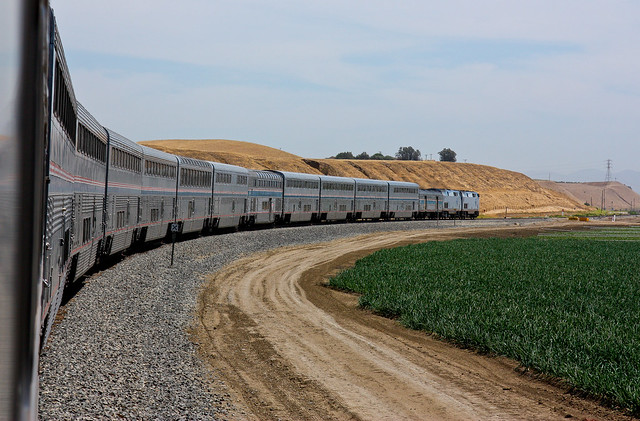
569	308
606	234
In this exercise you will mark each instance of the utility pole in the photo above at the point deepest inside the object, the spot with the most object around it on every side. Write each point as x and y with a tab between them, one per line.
607	180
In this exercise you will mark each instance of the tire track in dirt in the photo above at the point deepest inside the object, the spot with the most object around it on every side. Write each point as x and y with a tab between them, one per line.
293	349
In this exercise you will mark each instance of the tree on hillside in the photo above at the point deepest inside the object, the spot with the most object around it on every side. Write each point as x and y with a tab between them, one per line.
407	153
345	155
363	155
447	155
380	157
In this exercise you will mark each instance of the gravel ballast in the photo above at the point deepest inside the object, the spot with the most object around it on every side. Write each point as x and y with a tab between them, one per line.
122	347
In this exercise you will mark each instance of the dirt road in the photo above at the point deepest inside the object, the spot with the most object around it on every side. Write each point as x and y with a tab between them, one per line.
293	349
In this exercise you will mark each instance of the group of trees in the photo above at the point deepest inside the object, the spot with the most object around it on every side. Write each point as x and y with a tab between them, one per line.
363	155
405	153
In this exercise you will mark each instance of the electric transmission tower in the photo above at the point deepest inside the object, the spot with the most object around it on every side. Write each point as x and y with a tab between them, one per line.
608	177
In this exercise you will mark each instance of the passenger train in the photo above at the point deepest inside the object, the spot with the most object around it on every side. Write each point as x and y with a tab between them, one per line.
106	194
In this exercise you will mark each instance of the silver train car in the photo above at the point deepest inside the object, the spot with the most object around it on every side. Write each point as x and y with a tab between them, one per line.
300	197
337	198
159	193
265	197
403	200
195	184
230	195
371	198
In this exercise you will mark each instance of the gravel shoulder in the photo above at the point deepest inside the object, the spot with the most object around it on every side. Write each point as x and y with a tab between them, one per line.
126	345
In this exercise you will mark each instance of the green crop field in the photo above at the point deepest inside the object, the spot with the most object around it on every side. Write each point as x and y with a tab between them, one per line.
567	307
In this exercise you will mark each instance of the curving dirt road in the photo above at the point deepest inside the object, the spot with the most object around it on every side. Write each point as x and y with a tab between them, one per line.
291	348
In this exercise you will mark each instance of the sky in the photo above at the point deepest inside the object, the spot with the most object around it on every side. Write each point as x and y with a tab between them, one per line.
532	86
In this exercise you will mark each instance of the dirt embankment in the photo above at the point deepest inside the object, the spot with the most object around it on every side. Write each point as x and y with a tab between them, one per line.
501	190
603	195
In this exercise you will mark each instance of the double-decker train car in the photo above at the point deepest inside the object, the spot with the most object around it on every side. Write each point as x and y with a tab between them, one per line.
230	195
300	197
195	184
265	197
403	200
90	184
123	194
371	198
337	197
59	229
159	193
429	203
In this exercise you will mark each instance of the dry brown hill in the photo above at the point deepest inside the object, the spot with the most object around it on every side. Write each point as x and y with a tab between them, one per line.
611	195
500	190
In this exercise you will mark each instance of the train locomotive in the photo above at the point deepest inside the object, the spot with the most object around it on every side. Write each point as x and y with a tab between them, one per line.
106	194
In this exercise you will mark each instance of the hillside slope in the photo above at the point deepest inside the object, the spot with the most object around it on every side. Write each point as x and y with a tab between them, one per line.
500	190
611	195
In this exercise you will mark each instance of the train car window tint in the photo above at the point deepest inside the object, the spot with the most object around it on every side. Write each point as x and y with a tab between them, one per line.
63	106
86	230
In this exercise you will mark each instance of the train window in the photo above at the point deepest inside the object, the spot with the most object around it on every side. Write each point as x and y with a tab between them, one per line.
86	230
63	106
120	219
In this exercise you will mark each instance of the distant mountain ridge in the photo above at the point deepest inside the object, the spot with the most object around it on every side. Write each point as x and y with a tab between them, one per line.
630	178
610	196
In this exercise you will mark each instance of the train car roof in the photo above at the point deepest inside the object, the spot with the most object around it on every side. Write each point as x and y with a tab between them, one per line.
151	152
122	142
264	174
183	160
402	183
335	179
297	175
370	181
219	166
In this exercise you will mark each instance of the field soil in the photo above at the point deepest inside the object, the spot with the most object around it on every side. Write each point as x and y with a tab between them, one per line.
609	195
502	191
289	347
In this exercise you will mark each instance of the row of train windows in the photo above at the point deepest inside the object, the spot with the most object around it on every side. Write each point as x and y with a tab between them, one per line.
125	160
225	178
159	169
337	186
303	184
63	105
197	178
267	183
374	188
411	190
90	145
